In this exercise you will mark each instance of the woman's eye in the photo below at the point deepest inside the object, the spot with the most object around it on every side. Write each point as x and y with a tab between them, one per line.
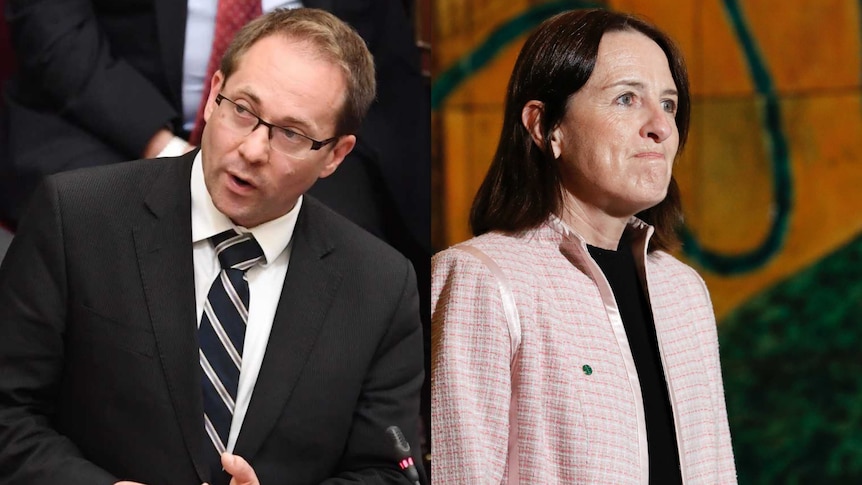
669	106
626	99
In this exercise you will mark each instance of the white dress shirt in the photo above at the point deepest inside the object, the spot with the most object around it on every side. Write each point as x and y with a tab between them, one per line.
265	280
200	30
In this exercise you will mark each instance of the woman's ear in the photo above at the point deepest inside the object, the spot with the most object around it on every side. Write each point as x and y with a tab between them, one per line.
556	143
531	118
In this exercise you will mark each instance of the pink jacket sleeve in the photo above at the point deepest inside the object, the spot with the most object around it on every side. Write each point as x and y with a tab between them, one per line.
470	372
726	467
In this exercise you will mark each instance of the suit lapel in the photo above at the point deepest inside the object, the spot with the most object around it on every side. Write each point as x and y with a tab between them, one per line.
171	24
309	288
163	243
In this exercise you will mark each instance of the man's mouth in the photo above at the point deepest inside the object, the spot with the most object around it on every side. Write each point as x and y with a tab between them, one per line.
240	181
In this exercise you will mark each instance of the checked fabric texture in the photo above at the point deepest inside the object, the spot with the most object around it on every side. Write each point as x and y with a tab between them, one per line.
221	335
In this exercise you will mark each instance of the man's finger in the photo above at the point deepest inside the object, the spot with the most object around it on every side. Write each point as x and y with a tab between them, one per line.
239	469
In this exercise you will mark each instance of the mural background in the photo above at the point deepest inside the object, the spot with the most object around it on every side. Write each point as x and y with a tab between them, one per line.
770	181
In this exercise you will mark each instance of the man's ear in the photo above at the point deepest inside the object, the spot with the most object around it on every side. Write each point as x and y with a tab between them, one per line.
215	88
531	118
342	147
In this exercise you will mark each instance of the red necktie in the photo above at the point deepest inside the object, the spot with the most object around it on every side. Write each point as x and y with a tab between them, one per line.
231	16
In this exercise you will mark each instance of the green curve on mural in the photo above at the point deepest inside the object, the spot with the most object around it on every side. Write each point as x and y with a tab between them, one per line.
452	77
780	163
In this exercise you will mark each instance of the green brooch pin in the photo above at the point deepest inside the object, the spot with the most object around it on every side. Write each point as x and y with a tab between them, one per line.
587	369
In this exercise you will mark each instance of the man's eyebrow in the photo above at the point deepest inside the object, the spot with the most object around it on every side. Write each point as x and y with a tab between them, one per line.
293	121
251	95
283	121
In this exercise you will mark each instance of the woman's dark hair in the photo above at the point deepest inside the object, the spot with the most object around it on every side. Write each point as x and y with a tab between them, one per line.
523	186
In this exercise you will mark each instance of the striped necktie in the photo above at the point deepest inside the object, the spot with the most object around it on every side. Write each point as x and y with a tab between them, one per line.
221	335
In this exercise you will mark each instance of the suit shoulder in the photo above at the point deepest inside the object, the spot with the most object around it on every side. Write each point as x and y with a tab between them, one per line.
117	193
116	179
349	237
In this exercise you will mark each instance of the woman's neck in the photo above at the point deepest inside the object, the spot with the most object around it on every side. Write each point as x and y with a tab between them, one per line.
594	225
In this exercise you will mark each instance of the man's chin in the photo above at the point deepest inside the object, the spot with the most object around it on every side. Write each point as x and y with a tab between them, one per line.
239	213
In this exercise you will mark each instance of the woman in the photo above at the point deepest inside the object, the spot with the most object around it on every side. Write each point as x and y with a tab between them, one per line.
568	345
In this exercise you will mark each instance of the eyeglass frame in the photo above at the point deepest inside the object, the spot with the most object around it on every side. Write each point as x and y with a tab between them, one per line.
315	144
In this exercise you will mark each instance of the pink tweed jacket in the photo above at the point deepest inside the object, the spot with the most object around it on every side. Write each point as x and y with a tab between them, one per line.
558	401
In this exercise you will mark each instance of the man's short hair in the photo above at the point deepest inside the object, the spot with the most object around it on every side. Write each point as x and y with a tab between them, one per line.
332	39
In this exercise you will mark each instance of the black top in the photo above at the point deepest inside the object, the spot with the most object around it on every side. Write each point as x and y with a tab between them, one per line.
620	270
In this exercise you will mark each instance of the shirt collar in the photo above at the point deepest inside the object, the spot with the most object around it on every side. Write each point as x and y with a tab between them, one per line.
642	232
207	221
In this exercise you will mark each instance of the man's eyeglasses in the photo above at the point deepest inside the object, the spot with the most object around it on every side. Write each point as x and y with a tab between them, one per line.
283	140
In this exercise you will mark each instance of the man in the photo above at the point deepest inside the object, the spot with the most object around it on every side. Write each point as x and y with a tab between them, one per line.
106	82
119	314
86	66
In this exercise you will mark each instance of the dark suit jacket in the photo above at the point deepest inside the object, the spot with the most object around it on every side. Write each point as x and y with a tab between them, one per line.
97	78
99	374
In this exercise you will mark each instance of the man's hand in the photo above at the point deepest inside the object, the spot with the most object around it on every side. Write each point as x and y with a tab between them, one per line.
235	465
165	144
156	144
239	469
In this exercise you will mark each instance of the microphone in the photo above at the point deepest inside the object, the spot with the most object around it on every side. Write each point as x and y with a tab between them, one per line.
402	448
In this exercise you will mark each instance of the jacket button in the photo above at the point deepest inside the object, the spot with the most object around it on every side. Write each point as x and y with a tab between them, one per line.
587	369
